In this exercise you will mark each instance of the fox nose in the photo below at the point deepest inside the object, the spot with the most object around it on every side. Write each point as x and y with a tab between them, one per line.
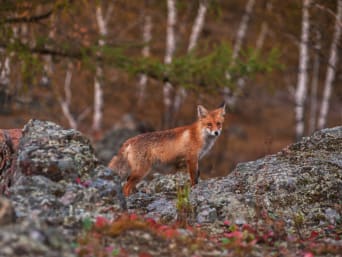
216	133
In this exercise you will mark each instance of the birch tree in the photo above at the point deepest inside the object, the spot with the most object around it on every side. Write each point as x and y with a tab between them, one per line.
314	83
331	68
102	23
195	33
65	102
170	49
301	89
147	36
229	96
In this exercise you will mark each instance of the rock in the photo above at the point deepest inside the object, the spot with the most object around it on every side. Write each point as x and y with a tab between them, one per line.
58	178
48	149
9	141
33	239
303	179
66	203
7	214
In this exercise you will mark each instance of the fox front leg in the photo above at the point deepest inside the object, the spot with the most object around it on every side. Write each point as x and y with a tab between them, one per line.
192	165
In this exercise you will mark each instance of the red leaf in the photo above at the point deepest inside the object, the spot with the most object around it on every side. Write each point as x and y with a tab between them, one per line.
313	235
101	222
133	216
226	223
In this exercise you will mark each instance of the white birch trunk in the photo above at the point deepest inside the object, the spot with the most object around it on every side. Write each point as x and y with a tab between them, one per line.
331	68
195	32
301	90
65	104
147	36
102	22
228	96
5	70
314	84
170	48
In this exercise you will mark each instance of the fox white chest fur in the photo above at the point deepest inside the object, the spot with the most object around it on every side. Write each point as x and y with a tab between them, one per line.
209	141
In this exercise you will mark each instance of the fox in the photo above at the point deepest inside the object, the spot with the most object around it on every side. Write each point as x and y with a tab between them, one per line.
189	143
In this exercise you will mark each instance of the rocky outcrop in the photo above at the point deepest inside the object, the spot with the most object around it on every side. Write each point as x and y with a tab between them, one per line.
302	183
58	178
57	182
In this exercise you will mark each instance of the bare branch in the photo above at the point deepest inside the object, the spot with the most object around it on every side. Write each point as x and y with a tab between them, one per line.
29	19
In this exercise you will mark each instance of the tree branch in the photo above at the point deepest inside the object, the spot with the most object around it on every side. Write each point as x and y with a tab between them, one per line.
29	19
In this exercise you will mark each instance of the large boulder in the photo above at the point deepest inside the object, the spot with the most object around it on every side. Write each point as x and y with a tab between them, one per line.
47	149
59	179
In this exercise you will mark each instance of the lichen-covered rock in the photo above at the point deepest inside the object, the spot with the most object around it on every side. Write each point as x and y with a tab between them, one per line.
304	180
48	149
66	203
33	239
58	178
9	141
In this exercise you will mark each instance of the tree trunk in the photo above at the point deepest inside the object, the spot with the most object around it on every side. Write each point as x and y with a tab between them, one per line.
65	104
314	84
301	90
170	48
331	68
147	36
229	96
195	32
102	23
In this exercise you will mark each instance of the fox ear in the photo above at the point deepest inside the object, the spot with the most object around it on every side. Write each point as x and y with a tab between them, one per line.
223	108
201	111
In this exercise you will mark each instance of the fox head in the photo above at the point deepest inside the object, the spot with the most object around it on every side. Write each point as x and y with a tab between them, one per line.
211	121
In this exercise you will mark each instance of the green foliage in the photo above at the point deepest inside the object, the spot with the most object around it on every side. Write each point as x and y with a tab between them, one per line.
87	224
208	71
183	205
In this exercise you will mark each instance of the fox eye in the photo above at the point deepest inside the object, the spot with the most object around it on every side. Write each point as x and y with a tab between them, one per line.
218	124
209	124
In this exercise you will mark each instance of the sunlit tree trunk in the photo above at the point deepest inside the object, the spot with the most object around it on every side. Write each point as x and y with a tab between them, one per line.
331	68
314	84
229	96
102	23
170	49
301	90
147	36
195	32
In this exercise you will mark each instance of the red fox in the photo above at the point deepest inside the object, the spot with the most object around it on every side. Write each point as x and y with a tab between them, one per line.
189	143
